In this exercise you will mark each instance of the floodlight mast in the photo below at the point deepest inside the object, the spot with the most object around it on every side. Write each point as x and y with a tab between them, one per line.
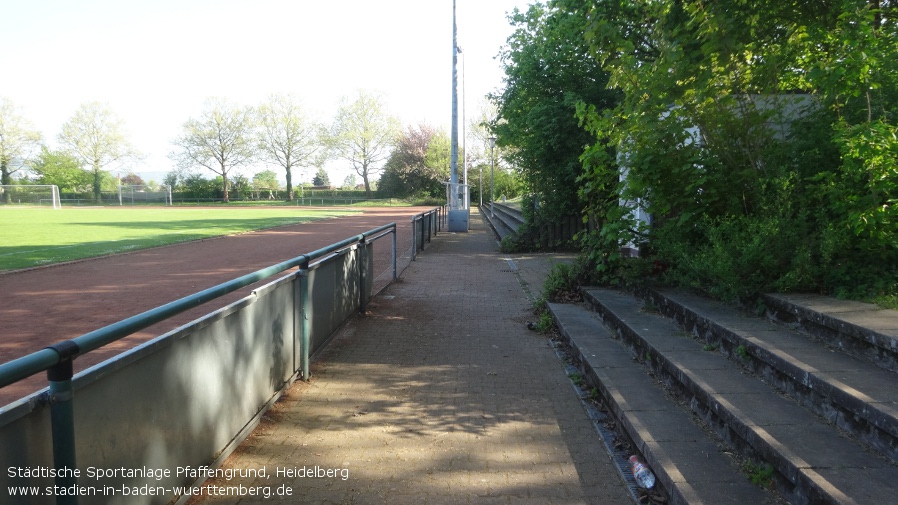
459	210
453	177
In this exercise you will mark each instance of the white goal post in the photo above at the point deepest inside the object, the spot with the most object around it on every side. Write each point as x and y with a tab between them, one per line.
46	195
131	194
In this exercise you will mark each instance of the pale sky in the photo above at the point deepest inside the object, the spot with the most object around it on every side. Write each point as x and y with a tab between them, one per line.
155	62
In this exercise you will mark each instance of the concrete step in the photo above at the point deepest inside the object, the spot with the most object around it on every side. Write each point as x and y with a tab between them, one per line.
814	462
861	329
511	215
687	464
504	220
852	393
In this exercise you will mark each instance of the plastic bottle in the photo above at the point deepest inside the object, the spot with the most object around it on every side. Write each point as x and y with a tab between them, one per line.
644	477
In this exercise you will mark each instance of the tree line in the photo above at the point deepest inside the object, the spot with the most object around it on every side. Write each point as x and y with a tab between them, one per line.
225	138
760	137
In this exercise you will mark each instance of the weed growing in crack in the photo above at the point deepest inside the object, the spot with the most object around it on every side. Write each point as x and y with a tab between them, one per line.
760	474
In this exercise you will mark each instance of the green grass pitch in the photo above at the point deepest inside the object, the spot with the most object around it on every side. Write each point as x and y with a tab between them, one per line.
38	236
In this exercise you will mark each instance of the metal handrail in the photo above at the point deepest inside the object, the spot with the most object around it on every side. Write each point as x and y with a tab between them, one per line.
434	223
57	360
39	361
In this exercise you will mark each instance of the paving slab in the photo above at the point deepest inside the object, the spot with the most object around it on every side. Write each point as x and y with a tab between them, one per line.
440	394
823	304
861	328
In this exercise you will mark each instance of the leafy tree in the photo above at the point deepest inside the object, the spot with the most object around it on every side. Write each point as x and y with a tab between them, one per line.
419	165
549	71
18	140
96	137
437	163
287	135
349	182
760	136
480	155
363	133
477	149
132	179
506	184
194	185
62	169
321	178
266	179
220	140
242	186
175	178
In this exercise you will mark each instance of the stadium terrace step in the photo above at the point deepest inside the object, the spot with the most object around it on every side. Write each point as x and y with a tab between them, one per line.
860	329
687	464
505	220
852	393
813	461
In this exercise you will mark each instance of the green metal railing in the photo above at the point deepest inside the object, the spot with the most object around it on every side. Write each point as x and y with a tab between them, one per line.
425	226
57	360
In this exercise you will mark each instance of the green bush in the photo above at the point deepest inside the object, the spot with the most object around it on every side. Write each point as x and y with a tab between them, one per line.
764	144
564	281
510	244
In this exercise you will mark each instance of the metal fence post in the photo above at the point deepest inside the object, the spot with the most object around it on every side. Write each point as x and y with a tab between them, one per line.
394	252
305	323
363	273
422	231
62	418
414	239
297	323
429	225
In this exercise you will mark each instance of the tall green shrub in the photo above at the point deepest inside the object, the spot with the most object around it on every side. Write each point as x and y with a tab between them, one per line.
549	71
760	135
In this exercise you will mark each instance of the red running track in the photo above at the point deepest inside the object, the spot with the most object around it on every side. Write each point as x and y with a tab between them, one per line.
45	305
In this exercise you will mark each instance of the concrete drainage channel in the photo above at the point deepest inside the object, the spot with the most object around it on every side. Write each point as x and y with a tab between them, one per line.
616	445
513	268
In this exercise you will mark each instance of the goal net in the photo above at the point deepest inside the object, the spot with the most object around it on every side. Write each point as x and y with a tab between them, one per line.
30	194
139	194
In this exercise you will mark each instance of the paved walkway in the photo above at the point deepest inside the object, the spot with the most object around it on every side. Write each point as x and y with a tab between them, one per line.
440	395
